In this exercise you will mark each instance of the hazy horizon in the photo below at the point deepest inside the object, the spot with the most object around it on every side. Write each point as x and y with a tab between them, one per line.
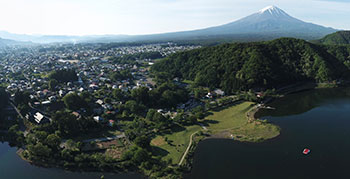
108	17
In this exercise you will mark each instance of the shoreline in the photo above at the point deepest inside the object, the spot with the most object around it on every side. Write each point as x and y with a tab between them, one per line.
251	119
190	151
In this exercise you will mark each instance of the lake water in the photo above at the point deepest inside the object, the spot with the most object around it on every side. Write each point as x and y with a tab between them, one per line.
317	119
13	167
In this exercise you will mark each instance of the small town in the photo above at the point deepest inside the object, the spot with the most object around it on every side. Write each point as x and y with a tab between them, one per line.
29	71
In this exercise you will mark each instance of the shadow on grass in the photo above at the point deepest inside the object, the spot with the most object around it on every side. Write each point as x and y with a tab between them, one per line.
176	128
157	151
206	122
220	108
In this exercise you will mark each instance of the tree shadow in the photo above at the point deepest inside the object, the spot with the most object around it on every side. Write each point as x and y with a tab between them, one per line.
175	128
206	122
157	151
220	108
208	113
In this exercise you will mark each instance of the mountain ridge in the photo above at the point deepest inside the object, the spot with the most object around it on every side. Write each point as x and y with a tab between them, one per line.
337	38
8	42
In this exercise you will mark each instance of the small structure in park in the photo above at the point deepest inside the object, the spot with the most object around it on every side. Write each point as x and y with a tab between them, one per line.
98	119
40	118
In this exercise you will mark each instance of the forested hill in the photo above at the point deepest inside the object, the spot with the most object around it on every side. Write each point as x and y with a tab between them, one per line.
337	38
272	64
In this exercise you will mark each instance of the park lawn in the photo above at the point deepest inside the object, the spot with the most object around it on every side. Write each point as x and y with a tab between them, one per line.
178	143
253	132
232	122
227	118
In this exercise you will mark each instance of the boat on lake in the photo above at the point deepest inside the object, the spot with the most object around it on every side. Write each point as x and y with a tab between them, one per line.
306	151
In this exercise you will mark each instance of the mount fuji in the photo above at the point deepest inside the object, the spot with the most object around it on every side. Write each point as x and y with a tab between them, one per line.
272	20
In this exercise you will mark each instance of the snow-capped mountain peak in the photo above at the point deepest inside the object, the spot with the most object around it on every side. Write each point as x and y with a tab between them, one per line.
273	10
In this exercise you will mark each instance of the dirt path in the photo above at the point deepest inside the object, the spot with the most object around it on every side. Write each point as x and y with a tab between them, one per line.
188	148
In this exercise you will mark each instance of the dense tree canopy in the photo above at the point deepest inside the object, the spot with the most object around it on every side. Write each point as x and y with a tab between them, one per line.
52	84
243	66
22	97
121	75
3	98
64	75
74	102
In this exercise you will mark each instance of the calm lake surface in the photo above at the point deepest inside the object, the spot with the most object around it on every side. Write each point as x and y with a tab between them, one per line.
317	119
13	167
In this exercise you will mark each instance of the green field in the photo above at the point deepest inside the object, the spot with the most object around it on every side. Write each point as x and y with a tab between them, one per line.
177	145
232	122
227	118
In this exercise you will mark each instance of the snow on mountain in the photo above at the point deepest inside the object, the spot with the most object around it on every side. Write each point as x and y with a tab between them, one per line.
272	10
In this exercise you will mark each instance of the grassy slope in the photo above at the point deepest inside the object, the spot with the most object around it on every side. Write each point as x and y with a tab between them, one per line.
178	145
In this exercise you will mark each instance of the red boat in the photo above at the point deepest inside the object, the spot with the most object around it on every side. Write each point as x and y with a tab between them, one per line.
306	151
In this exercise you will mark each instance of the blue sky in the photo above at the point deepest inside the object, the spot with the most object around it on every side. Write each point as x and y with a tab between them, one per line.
83	17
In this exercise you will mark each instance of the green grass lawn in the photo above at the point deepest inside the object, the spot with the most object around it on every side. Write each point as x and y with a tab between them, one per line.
253	132
178	143
232	121
230	117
